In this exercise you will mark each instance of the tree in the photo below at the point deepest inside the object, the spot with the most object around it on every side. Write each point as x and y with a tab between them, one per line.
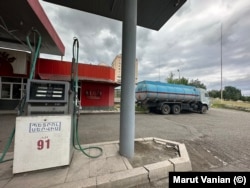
232	93
245	98
197	83
229	93
171	80
214	94
184	81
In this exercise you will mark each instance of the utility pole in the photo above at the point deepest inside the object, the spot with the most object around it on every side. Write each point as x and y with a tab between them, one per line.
159	71
221	91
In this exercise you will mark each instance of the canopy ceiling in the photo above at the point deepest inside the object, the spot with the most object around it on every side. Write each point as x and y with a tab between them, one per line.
18	17
152	14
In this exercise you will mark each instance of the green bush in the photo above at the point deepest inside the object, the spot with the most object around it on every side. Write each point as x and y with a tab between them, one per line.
140	109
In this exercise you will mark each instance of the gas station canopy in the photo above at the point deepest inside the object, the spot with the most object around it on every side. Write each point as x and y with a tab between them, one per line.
18	17
152	14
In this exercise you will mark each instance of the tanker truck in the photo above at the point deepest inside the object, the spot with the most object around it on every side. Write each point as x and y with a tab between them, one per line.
167	98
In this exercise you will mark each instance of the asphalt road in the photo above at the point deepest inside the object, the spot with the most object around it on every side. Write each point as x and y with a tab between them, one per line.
216	141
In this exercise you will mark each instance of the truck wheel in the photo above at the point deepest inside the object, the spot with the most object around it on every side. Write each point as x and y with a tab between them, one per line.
165	109
176	109
203	109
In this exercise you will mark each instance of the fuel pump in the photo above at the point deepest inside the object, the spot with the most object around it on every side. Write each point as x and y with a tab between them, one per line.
44	130
48	131
43	137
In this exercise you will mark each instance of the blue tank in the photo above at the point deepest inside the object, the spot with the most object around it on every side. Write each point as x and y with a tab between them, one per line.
159	91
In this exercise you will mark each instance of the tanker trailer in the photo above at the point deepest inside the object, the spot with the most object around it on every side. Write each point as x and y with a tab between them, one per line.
166	98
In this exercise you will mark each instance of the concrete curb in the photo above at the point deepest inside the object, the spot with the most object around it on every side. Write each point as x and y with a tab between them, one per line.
128	178
148	173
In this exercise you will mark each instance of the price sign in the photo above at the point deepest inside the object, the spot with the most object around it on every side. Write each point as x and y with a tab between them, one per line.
40	141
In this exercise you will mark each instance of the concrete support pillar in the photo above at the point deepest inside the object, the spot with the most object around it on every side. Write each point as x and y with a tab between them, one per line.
127	115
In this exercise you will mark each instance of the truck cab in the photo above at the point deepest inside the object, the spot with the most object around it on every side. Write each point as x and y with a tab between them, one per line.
204	99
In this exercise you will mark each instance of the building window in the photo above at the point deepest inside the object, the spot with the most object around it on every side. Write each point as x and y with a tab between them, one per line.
12	88
16	91
5	91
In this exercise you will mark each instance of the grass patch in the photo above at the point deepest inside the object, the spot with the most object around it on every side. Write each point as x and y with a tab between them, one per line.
236	105
140	109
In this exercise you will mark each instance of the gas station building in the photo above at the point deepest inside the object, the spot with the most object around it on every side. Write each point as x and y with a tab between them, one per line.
96	82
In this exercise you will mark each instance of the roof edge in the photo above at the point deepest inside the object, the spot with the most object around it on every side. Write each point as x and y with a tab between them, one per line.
42	16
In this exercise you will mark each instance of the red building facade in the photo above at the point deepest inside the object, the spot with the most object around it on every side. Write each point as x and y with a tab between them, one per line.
96	82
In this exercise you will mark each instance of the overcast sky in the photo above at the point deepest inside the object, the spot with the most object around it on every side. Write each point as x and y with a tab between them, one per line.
190	42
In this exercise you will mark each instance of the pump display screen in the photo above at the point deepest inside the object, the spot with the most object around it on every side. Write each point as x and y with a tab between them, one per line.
47	91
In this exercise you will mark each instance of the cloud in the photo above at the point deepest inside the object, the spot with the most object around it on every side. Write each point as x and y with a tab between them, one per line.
190	41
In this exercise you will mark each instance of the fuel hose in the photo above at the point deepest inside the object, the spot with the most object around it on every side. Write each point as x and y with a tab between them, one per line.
75	116
35	53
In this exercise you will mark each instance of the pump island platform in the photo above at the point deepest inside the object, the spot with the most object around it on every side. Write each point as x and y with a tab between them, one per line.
154	159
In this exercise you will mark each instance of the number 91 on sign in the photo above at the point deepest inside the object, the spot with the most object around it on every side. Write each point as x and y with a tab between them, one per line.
43	144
